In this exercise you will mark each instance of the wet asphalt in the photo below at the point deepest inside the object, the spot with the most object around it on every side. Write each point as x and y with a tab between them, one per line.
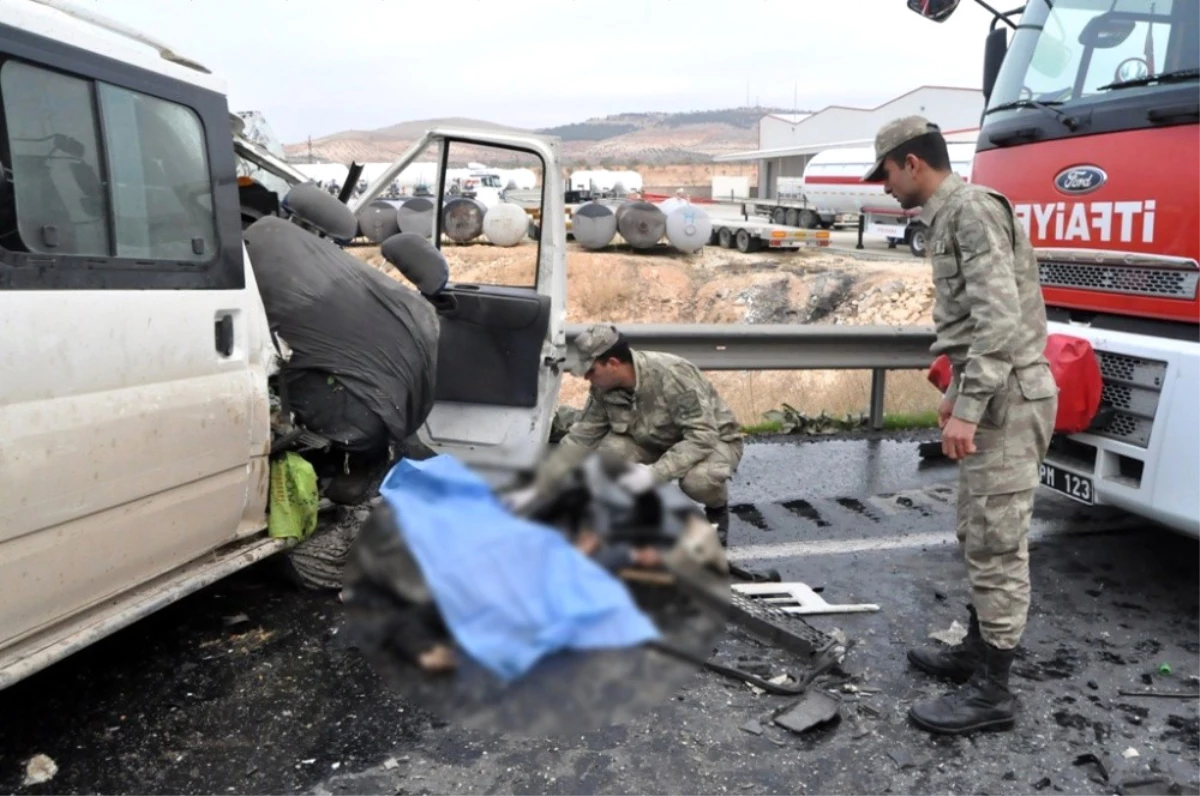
250	686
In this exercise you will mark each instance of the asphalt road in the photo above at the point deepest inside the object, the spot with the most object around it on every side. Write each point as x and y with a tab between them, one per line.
249	687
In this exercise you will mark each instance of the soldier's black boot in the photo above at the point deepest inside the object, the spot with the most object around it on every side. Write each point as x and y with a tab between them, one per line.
719	516
955	663
984	703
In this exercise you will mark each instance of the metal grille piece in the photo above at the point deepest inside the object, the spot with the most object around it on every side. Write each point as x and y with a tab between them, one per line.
1160	282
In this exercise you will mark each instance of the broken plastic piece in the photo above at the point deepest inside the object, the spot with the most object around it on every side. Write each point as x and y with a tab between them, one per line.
797	598
1092	758
951	635
815	707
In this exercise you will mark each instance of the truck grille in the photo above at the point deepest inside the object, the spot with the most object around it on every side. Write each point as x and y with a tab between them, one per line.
1132	387
1137	281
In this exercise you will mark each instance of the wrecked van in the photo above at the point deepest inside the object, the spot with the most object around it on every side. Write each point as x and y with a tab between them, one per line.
141	407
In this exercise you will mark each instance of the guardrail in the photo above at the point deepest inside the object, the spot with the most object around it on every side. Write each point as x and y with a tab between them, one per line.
786	347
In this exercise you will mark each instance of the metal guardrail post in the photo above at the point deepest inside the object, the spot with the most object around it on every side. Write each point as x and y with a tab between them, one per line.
878	389
862	225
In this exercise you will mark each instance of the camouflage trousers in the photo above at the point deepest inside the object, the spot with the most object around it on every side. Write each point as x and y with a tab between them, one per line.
706	483
996	489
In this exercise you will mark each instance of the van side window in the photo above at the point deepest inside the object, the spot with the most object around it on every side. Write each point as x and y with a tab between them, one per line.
158	165
61	205
102	171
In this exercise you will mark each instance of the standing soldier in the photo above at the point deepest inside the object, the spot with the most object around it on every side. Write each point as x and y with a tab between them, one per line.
658	411
996	417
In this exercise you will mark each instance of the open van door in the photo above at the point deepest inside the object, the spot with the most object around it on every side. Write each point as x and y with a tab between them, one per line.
502	314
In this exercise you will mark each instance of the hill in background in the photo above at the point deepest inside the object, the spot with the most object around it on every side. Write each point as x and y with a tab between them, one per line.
625	140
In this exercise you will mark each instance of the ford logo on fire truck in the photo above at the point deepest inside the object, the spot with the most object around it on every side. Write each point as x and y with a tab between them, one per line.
1080	179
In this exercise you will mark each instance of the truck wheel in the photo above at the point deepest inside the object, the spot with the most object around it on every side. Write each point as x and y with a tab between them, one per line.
726	237
745	243
793	218
779	216
916	241
826	225
809	219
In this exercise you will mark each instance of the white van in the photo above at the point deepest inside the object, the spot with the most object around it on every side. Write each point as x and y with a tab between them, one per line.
134	415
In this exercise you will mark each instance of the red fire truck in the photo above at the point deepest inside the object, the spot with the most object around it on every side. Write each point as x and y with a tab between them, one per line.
1092	129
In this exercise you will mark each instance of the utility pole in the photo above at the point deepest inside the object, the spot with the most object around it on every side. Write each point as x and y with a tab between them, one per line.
310	157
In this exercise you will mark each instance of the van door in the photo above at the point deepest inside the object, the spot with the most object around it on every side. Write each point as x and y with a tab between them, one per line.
503	322
130	409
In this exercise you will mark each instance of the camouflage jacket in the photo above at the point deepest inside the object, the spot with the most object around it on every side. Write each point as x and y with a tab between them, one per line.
988	307
673	411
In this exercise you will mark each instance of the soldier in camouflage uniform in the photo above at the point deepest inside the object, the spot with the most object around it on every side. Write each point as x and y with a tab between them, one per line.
996	418
659	411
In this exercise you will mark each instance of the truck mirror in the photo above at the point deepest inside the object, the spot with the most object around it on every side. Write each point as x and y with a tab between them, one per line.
994	50
937	10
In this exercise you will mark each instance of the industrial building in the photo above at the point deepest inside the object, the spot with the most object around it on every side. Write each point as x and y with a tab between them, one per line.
786	142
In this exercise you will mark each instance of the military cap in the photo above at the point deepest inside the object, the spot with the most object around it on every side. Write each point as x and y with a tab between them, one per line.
592	342
892	135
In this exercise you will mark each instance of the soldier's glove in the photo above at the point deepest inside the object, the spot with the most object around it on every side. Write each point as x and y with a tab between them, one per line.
640	478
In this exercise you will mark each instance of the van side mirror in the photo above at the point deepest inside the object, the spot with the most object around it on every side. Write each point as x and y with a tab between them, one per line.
937	10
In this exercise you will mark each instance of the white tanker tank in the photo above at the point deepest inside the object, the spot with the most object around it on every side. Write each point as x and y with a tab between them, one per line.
833	184
833	178
605	181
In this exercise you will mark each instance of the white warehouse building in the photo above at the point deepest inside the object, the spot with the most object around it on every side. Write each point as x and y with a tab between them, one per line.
786	142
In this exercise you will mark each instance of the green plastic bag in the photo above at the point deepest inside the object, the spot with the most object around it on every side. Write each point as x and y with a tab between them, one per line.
294	498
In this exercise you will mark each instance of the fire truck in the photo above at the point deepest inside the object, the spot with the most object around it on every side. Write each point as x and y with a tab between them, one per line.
1091	130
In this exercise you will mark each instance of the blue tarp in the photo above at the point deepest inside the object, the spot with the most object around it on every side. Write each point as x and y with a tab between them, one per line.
511	591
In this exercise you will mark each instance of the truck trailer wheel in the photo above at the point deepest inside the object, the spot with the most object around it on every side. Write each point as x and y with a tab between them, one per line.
725	236
745	243
779	216
809	219
916	240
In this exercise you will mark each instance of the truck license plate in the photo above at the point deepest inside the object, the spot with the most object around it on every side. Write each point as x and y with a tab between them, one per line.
1073	486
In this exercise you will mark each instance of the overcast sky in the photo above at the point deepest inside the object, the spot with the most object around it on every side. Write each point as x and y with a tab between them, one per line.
320	66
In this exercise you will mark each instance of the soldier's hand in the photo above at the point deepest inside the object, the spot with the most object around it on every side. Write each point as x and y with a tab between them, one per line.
944	410
958	438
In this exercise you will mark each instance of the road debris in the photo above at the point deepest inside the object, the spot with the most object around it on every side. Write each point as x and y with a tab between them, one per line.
1093	759
753	727
1130	753
390	764
815	707
1156	786
798	599
951	635
236	619
39	769
1162	694
1041	784
901	758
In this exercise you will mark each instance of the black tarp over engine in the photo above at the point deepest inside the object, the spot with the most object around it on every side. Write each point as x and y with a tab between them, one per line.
364	347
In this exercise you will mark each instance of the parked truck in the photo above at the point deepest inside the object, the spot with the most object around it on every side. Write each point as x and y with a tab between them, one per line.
833	180
1092	129
136	419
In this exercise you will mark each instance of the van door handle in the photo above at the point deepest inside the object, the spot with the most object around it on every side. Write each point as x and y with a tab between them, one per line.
224	335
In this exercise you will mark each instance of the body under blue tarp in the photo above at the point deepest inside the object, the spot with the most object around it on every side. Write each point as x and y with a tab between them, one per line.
511	591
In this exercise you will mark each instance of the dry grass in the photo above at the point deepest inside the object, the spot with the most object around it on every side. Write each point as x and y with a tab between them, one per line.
752	393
